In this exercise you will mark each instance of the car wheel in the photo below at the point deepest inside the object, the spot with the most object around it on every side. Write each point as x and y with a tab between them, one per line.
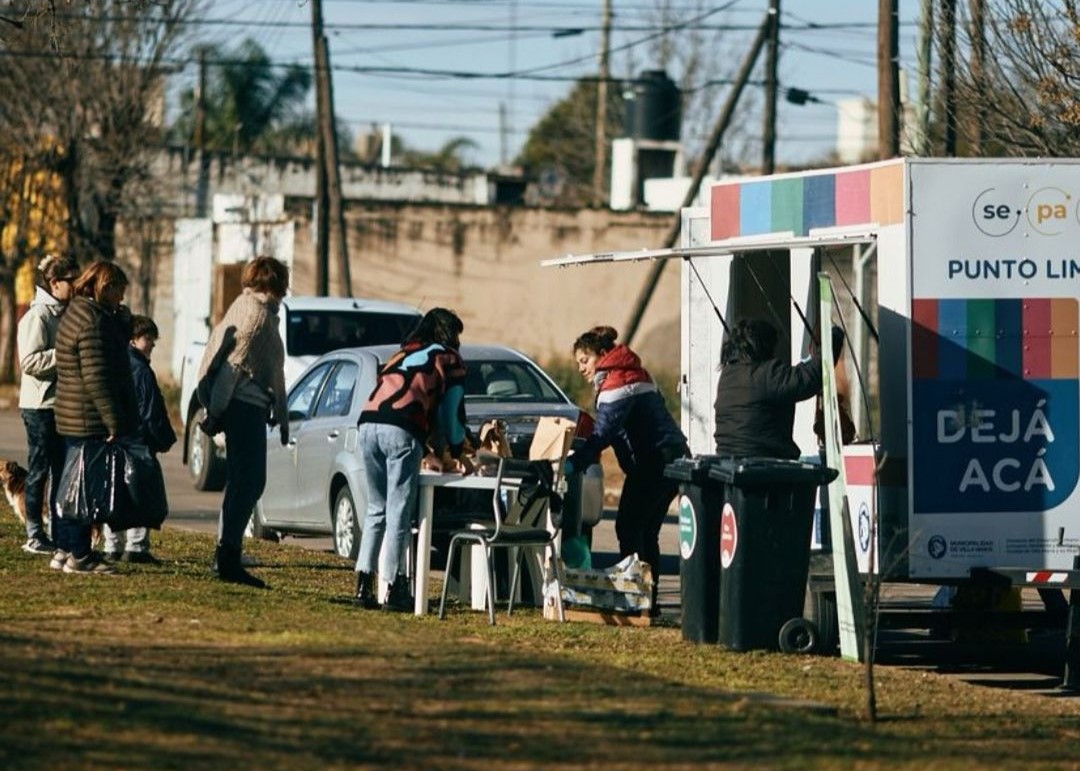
206	468
256	528
346	525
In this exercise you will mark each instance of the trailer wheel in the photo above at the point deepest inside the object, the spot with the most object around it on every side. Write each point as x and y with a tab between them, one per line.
820	608
798	635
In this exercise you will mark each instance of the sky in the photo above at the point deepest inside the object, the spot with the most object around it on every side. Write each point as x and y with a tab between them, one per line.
530	39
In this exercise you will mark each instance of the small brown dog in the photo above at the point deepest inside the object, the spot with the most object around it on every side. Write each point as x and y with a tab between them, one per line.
13	482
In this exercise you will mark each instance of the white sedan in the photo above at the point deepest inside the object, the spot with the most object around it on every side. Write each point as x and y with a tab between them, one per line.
316	484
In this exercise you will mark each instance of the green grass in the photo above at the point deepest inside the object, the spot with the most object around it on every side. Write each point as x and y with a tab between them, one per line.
165	667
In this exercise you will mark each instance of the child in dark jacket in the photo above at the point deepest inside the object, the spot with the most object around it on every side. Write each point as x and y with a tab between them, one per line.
155	431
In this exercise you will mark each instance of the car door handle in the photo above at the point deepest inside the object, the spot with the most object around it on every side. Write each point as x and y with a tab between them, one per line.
333	435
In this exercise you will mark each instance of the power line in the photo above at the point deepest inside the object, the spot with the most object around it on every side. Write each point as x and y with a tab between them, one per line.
560	30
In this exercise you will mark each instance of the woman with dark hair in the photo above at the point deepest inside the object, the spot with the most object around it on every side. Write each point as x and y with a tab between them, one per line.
757	392
95	393
37	393
632	419
241	384
420	390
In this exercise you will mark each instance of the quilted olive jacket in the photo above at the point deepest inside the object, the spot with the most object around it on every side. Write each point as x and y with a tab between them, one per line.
95	393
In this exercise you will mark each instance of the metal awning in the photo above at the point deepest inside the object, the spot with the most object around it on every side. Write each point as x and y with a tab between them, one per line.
768	244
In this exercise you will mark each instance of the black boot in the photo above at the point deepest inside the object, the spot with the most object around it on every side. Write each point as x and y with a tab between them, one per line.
228	567
398	598
365	591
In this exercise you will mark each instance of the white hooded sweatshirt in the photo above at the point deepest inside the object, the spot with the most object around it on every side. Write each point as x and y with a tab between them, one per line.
37	351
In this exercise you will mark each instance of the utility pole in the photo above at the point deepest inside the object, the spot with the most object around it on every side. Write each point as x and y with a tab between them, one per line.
321	224
888	79
948	76
923	51
726	113
202	181
601	108
772	60
504	145
333	171
978	67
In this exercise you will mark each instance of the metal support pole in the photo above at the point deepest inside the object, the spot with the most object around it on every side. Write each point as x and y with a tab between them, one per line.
1071	679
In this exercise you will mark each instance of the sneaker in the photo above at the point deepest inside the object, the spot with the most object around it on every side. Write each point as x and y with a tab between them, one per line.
59	557
111	556
39	545
91	563
141	558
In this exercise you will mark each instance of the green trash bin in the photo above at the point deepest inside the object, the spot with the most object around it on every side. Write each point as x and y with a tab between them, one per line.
700	500
766	517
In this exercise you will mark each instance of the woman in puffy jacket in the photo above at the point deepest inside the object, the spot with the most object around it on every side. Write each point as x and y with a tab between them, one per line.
37	393
632	419
95	393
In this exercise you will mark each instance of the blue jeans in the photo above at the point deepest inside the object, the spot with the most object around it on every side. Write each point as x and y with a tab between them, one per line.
46	462
245	469
392	466
71	536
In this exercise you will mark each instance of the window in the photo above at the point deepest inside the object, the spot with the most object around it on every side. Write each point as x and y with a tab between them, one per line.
516	381
337	395
313	333
306	391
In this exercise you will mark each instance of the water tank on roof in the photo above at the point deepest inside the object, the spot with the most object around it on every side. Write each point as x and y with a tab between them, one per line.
652	107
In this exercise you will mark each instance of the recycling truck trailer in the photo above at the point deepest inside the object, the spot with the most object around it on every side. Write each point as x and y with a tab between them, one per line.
957	284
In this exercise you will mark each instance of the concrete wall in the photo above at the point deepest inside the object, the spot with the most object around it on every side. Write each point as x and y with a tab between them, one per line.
484	262
178	169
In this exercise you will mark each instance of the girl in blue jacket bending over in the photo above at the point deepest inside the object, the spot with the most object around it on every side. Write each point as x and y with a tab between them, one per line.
632	419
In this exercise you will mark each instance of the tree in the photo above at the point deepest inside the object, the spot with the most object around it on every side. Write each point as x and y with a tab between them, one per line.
560	147
83	100
449	159
251	105
1024	97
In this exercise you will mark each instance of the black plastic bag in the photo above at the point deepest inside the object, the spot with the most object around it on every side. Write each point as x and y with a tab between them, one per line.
117	483
146	504
91	486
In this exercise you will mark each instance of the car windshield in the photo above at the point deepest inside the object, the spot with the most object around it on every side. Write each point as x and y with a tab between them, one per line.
313	333
514	381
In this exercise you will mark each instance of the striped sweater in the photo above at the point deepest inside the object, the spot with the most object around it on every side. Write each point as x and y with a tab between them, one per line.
421	388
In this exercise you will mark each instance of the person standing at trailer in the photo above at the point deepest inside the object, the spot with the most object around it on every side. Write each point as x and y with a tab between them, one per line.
36	340
757	393
420	390
631	417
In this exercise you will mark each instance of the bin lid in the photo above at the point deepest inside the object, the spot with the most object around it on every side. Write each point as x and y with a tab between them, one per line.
694	469
758	471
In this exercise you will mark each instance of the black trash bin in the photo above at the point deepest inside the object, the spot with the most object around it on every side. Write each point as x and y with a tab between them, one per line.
764	542
700	501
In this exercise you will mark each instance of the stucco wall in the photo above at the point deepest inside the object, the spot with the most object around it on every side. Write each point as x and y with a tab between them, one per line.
484	263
